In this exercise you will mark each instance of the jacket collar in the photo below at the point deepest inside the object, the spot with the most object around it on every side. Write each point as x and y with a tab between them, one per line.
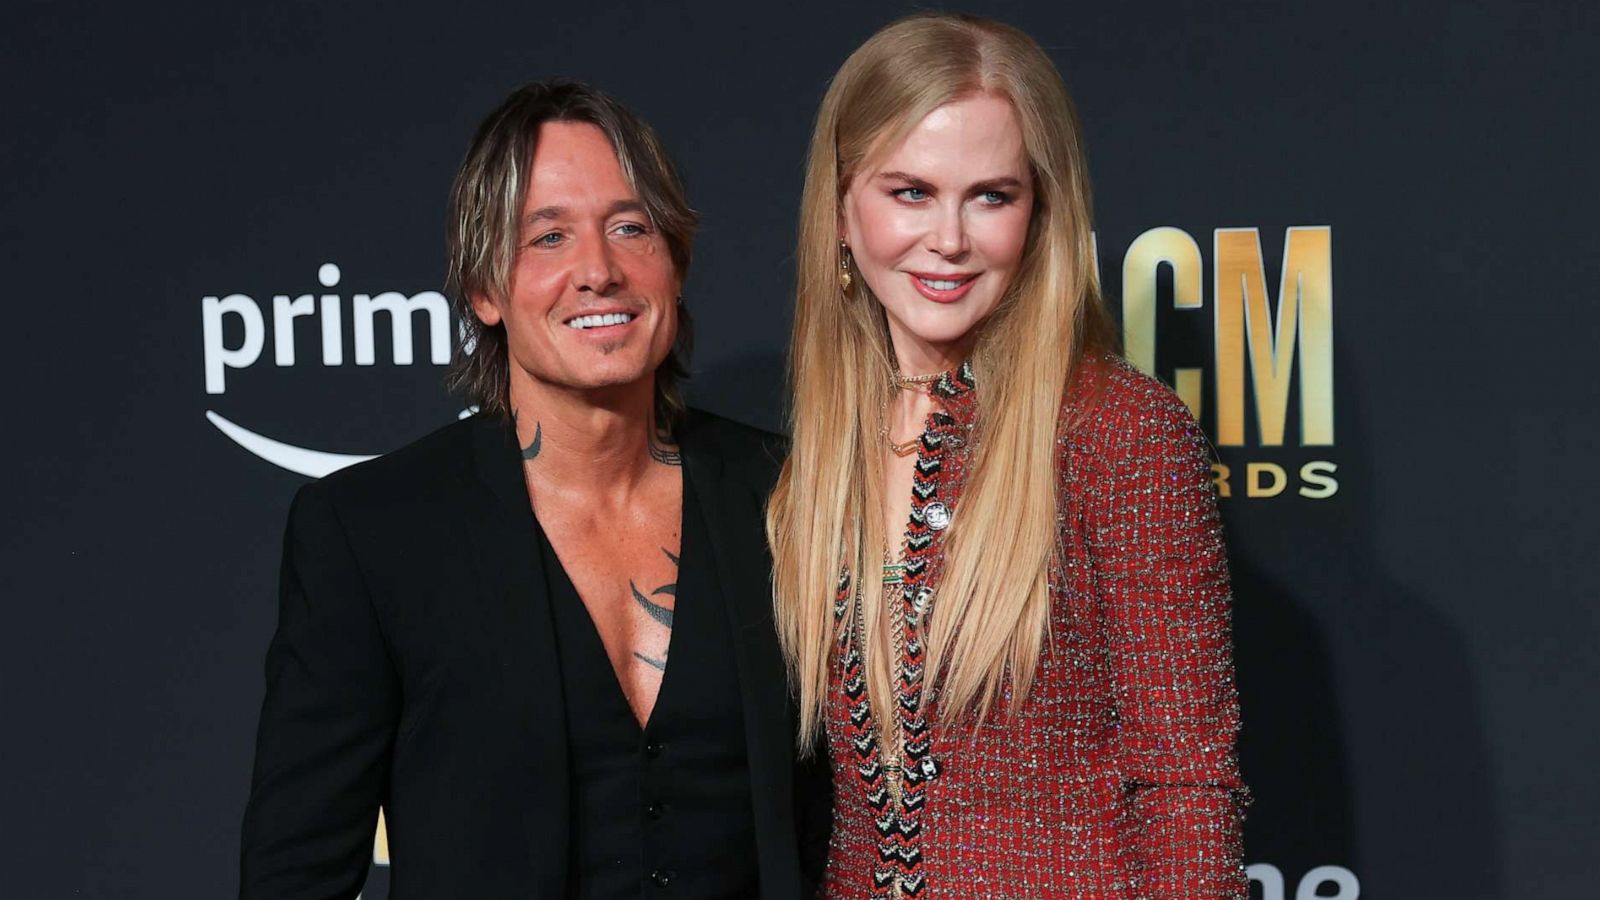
497	459
732	508
957	395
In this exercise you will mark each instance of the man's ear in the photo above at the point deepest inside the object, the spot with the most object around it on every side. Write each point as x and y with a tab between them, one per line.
488	313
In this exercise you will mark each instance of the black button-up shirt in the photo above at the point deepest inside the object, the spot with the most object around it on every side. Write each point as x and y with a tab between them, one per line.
663	810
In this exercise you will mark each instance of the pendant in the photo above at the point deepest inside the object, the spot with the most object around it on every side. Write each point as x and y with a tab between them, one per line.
937	515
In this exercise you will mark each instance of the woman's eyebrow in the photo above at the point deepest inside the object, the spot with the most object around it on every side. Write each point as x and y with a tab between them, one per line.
912	180
1003	182
1006	182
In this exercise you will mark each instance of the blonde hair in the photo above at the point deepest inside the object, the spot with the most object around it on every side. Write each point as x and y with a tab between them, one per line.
990	619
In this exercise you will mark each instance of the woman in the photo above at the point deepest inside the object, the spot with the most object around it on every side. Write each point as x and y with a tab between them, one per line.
1035	697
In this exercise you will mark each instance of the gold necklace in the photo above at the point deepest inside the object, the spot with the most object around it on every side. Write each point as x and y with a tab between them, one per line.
904	448
900	450
900	380
891	757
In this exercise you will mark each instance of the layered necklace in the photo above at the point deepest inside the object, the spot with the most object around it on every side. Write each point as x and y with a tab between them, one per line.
896	776
902	382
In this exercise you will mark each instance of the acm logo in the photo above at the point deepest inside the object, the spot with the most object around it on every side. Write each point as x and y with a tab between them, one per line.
329	311
1273	346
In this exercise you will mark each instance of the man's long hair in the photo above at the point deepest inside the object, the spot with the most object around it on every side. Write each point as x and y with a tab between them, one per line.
486	206
990	619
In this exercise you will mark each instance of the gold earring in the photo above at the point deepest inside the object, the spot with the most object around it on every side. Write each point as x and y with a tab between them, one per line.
844	267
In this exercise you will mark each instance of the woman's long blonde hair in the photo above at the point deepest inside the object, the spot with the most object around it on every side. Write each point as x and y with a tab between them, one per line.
990	618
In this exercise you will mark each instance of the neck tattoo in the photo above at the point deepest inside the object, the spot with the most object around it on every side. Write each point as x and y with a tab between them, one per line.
658	452
532	450
664	456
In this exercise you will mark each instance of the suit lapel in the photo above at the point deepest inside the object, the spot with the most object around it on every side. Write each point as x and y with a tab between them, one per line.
505	535
732	511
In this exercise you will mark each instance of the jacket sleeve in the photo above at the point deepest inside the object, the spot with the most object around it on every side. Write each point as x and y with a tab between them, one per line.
813	804
1162	574
327	723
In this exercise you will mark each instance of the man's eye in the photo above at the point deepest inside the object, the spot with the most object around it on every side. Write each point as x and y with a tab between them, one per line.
911	194
630	229
547	240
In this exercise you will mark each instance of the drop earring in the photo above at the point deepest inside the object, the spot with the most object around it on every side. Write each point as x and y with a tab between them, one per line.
845	279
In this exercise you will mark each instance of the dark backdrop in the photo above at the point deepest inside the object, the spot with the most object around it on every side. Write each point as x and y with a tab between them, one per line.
1416	651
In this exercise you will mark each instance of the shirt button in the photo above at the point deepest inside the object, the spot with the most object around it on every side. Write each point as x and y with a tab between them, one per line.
655	810
661	877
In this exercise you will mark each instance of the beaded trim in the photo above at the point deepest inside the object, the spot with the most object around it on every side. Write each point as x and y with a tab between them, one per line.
896	788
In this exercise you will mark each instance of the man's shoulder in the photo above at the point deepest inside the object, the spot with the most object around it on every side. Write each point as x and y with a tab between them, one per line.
418	474
732	439
739	446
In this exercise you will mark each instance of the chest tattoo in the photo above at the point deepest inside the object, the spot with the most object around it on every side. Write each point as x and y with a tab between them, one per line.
662	614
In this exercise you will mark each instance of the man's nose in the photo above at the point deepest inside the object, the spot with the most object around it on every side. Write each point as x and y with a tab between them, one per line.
595	269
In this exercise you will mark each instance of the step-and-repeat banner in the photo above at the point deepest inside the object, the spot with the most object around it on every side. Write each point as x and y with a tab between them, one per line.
1357	243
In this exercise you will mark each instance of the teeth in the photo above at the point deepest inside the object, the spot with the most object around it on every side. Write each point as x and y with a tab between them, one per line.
583	322
941	285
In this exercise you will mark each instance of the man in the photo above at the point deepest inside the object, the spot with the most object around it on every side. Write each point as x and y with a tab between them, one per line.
541	638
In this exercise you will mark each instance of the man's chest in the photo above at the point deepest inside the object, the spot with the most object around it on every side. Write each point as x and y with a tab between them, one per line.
624	569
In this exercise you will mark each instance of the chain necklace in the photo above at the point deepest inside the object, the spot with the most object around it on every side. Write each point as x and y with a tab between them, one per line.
903	383
892	756
892	589
900	379
901	450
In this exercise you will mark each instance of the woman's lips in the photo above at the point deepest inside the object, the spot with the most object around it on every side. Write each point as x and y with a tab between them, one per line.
937	289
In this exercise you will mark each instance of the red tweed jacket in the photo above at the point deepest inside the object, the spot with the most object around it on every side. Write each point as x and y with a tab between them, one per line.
1118	777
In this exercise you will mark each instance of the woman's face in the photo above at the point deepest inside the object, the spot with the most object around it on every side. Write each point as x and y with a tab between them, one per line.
937	226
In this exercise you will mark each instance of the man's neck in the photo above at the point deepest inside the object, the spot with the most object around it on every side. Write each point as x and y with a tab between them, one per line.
593	444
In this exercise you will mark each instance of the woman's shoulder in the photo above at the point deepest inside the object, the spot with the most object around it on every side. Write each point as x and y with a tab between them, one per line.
1114	411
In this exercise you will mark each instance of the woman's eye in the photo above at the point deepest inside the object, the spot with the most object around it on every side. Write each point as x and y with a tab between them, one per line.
996	198
914	195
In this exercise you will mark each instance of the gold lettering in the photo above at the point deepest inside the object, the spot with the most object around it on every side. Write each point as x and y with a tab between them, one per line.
1186	384
1141	266
1219	478
380	844
1245	325
1253	485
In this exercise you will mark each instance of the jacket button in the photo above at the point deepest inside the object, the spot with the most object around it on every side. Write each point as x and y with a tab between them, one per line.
655	810
653	749
661	877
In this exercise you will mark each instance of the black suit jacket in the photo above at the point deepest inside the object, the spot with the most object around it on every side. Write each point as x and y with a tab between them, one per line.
414	667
